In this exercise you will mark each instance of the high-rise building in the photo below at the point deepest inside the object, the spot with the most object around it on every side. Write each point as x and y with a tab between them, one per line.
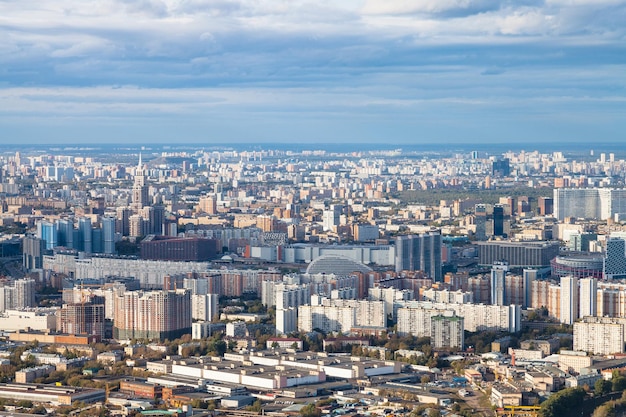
196	284
331	217
32	253
156	220
480	219
108	235
589	203
498	275
420	253
204	307
85	235
47	231
152	314
81	318
569	300
501	167
529	276
6	298
579	242
24	293
514	289
200	330
588	296
137	226
599	336
122	224
545	206
97	241
140	197
447	332
236	329
65	232
286	320
498	220
414	318
207	205
615	259
291	295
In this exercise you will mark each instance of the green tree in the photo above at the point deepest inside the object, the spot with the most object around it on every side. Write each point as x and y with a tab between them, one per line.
602	387
618	382
257	406
563	403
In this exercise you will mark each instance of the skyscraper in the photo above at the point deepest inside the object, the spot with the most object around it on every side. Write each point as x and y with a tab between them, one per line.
140	197
501	167
498	275
156	219
480	219
498	220
65	230
108	235
420	253
615	259
47	231
84	233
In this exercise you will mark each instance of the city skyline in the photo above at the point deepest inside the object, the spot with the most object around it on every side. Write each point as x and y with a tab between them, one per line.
362	71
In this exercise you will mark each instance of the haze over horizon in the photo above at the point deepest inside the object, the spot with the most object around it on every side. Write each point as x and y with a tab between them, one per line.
412	71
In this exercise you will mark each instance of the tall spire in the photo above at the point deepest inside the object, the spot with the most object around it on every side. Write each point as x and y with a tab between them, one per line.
139	164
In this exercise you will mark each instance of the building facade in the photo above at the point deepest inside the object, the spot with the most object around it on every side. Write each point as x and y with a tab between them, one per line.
152	315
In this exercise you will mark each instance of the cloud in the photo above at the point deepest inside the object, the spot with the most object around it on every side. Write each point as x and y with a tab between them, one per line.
268	58
453	7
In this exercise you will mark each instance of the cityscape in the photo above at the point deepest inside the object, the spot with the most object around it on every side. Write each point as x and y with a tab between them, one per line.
361	208
141	280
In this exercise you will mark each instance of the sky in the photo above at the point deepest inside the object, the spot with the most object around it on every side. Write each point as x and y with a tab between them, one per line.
375	71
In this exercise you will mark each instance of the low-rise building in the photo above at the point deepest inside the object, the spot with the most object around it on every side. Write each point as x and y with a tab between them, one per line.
505	394
284	343
141	389
110	357
525	354
540	381
573	362
546	346
56	395
27	375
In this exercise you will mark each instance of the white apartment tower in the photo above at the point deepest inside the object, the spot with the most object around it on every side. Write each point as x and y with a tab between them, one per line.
498	276
204	307
599	336
569	300
588	297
